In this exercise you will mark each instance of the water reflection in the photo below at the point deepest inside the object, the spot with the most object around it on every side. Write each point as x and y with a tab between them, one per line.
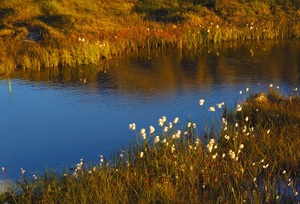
156	72
58	116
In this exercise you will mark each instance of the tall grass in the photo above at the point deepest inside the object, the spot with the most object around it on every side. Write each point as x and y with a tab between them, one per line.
129	26
253	158
19	54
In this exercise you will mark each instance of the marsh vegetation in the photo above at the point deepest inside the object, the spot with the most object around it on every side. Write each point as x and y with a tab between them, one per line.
46	34
251	155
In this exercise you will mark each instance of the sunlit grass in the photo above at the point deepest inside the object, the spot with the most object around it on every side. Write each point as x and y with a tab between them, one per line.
132	26
252	158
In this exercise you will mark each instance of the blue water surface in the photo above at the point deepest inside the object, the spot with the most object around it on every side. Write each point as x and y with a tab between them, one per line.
54	122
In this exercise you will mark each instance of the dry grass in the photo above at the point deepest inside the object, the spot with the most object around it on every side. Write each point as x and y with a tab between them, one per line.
129	26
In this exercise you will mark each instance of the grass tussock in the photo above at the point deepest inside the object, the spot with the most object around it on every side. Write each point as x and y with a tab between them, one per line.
41	34
253	158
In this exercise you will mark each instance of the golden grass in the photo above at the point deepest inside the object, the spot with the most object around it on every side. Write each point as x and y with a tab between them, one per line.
128	26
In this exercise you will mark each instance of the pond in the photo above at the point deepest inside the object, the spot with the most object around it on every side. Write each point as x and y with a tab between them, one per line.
53	118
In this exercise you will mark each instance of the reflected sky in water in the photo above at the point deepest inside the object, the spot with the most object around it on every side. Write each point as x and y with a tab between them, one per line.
53	118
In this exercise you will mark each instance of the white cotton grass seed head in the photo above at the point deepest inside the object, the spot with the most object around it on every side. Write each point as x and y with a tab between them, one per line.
143	130
211	145
201	102
152	129
219	105
232	155
178	133
212	109
101	159
244	129
197	141
22	171
238	108
143	133
223	120
166	129
176	120
173	149
156	139
132	126
160	123
265	166
3	168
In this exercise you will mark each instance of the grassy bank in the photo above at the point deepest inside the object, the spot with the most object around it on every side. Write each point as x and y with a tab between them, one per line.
251	157
57	33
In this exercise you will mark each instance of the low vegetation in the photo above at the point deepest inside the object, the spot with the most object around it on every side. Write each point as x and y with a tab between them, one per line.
252	156
58	33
